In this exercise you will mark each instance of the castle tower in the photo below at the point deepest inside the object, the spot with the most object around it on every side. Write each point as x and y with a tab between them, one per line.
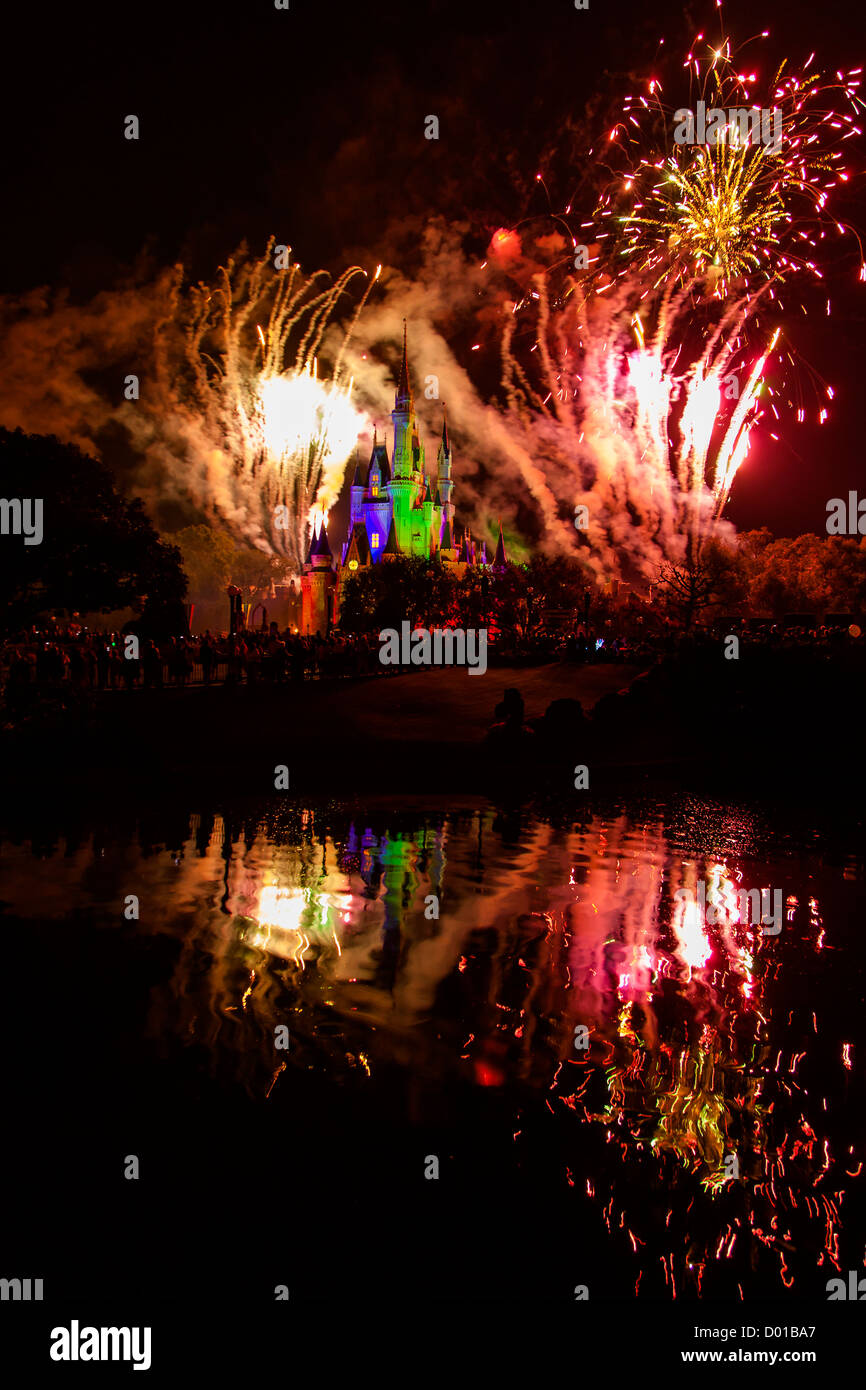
437	523
317	587
431	542
443	473
407	481
448	549
403	419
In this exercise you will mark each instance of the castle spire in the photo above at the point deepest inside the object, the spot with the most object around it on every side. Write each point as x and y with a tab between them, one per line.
321	546
404	391
445	443
392	550
500	559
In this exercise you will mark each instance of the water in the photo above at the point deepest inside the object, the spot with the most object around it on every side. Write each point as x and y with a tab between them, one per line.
457	1038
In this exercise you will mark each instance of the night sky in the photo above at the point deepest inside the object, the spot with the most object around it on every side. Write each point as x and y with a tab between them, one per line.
308	125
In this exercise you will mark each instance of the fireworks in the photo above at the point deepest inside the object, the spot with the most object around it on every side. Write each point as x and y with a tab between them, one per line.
308	429
747	203
718	216
270	434
650	374
652	426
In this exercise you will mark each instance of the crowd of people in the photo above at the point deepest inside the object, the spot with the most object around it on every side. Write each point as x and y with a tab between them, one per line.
89	660
83	659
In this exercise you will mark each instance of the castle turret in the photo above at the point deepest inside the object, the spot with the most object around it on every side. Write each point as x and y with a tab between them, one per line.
436	528
321	554
500	560
379	474
443	472
403	419
448	549
403	400
357	554
391	552
356	496
317	586
431	541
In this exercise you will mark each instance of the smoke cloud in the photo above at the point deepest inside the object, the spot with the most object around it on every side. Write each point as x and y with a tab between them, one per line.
544	407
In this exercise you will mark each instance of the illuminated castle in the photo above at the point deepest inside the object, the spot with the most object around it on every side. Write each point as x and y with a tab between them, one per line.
398	510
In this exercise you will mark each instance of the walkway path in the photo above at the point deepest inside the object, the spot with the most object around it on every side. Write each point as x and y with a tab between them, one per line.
449	703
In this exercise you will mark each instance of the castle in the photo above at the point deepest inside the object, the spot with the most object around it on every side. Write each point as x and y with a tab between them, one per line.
398	510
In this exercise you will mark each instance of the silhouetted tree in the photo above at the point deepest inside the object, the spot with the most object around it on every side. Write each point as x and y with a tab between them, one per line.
395	591
708	578
212	561
98	550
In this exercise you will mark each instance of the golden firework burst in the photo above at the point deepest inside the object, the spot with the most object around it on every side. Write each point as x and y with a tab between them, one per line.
719	210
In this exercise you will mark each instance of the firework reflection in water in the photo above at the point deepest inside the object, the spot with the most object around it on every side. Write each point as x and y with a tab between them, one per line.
693	1052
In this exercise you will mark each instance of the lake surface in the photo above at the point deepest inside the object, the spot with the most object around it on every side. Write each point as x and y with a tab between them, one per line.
614	1094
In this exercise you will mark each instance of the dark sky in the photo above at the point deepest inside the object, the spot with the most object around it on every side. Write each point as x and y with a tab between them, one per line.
308	124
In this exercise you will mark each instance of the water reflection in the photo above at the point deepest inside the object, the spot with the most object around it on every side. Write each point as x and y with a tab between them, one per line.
696	1079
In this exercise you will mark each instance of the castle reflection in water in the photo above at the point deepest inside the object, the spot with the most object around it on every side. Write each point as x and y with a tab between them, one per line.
702	1074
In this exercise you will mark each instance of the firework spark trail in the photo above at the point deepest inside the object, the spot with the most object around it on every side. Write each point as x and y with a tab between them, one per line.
268	438
650	370
747	205
610	428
